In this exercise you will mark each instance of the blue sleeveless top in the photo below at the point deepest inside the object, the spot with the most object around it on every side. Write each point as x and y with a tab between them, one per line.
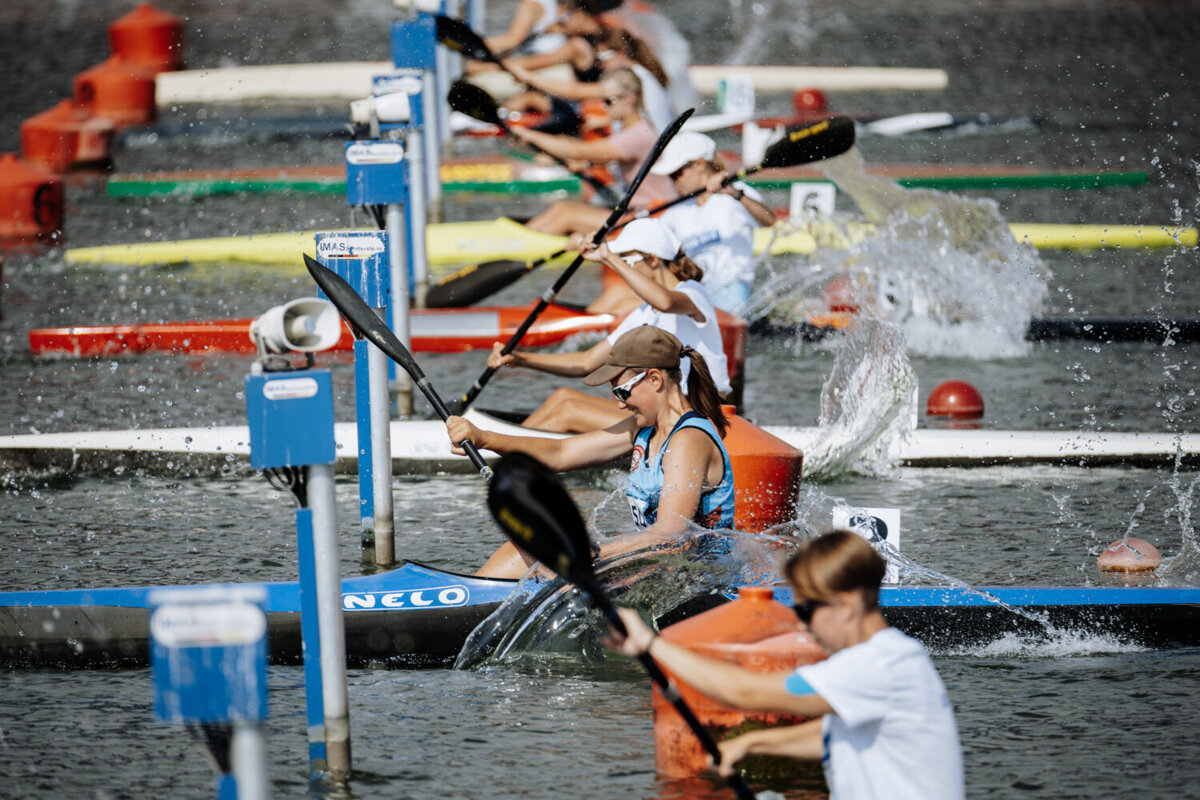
644	485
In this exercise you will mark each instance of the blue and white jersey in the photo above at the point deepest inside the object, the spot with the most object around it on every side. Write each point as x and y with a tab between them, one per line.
644	485
718	236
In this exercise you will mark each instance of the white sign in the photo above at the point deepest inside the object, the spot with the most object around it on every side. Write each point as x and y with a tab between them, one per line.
877	526
812	199
408	82
335	246
290	389
375	153
208	625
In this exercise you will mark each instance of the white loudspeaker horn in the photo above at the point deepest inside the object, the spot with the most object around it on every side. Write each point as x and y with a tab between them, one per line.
302	326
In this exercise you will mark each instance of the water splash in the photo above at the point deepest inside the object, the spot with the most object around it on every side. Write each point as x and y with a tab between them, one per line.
945	268
868	403
545	615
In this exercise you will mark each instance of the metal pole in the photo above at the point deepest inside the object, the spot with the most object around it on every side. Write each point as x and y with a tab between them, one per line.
362	418
433	168
397	247
248	758
329	613
381	453
417	213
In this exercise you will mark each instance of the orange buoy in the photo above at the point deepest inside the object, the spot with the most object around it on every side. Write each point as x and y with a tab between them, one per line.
31	202
766	475
1129	555
957	399
752	631
809	101
148	37
64	136
117	89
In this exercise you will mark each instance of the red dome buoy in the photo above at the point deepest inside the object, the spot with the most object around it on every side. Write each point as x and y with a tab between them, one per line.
148	37
957	399
766	475
809	101
840	295
117	89
752	631
64	136
31	202
1129	555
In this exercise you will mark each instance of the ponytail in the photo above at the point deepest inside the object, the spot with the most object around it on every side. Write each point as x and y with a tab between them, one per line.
702	392
683	268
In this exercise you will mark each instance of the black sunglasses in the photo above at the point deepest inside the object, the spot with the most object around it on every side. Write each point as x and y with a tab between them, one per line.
804	611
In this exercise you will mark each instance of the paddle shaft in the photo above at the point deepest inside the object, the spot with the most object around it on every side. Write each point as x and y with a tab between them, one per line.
367	323
669	691
617	212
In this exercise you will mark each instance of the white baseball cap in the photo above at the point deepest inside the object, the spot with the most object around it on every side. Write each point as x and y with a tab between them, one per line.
647	236
686	147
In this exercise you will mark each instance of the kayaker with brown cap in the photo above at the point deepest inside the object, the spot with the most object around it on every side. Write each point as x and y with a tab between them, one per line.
680	472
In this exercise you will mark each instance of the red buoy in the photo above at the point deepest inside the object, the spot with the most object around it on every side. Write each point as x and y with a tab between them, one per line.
31	203
752	631
148	37
956	399
766	475
64	136
809	101
117	89
1129	555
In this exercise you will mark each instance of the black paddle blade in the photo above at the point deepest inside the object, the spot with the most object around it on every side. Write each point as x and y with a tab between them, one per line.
471	284
475	102
538	515
454	34
361	316
825	139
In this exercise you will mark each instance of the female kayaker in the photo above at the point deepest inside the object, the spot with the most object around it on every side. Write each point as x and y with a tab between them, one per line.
616	49
647	258
628	148
680	473
717	227
885	726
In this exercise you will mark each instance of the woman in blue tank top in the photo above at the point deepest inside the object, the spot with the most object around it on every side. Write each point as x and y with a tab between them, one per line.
680	472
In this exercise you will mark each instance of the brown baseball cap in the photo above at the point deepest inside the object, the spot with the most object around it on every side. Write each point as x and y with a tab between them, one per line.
641	348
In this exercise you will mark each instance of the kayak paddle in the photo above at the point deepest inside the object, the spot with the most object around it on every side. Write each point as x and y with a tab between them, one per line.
538	515
367	323
618	211
816	142
476	103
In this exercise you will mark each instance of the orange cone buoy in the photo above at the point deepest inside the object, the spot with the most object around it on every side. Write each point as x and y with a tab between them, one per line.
766	475
117	89
752	631
1129	555
957	399
64	136
809	101
148	37
31	202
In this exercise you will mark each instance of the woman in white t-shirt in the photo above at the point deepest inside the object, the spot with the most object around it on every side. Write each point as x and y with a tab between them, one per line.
716	228
646	256
884	724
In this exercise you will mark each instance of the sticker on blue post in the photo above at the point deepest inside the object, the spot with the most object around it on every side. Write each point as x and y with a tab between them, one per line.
208	654
414	43
361	259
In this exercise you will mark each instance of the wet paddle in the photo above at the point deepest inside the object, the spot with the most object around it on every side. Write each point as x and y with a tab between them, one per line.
366	323
462	403
476	103
825	139
538	515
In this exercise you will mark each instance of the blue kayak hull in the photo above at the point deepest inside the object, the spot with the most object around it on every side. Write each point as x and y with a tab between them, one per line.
419	616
